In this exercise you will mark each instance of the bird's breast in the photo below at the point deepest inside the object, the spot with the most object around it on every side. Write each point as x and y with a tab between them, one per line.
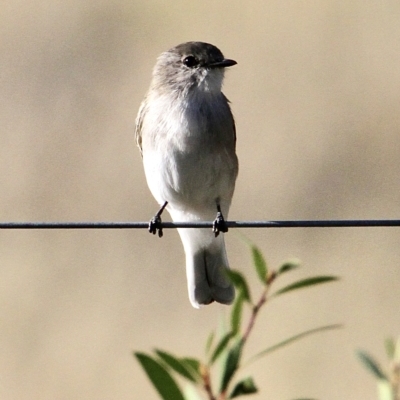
190	158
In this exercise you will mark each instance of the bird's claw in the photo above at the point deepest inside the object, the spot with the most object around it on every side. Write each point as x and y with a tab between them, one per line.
219	224
155	224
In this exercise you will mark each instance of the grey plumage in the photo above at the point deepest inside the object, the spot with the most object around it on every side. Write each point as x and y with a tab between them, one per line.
186	134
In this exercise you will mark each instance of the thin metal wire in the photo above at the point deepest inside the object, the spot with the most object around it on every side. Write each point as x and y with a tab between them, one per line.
204	224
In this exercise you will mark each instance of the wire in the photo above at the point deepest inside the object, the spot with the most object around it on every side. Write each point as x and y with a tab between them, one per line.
203	224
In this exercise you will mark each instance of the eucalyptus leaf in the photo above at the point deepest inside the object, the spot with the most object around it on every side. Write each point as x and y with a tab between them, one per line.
385	390
397	351
305	398
293	339
236	313
239	281
177	365
390	347
289	265
371	365
259	264
210	341
160	378
191	393
192	364
316	280
231	364
245	386
221	346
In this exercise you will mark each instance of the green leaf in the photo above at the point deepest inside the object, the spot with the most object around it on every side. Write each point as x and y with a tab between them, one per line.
176	364
160	378
221	346
305	398
210	342
191	393
316	280
293	339
192	364
289	265
236	313
385	390
245	386
231	365
239	281
390	347
371	365
396	357
259	264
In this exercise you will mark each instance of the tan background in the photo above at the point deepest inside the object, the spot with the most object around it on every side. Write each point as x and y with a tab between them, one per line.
316	97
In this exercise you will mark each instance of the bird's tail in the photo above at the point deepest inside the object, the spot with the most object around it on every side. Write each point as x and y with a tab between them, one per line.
206	262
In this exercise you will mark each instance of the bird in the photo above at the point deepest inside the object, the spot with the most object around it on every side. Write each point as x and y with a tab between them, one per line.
186	134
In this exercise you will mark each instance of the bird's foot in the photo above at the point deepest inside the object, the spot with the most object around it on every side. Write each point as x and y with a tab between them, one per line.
219	224
155	224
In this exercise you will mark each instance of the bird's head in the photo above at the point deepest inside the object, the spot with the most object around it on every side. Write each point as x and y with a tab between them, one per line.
190	66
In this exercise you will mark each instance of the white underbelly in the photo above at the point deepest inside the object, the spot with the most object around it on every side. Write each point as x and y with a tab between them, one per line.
190	181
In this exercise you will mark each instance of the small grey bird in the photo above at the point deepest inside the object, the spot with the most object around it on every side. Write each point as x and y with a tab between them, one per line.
186	134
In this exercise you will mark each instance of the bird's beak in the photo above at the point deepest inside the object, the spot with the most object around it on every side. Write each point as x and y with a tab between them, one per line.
222	64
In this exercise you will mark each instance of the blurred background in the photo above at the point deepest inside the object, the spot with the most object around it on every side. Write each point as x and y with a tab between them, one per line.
316	98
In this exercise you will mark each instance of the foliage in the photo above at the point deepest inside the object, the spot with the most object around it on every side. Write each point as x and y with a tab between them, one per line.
162	368
388	382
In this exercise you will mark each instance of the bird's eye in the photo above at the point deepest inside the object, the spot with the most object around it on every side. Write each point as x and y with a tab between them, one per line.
191	61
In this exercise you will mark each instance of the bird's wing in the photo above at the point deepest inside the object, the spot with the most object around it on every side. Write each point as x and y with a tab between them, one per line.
139	123
233	119
234	129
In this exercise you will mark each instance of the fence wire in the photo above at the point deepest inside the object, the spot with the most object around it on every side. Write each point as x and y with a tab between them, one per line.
204	224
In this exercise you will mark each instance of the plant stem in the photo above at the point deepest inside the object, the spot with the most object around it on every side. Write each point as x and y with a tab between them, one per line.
207	382
254	314
396	380
256	308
